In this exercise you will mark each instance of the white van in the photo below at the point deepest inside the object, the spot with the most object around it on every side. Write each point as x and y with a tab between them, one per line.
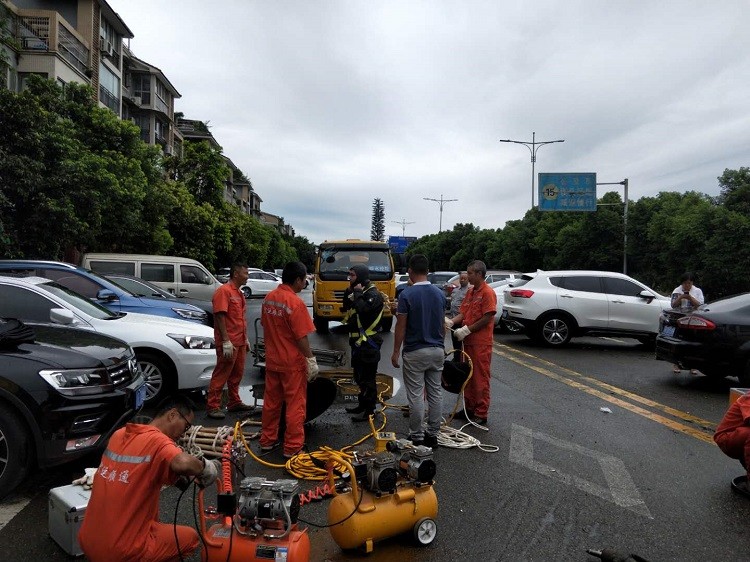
180	276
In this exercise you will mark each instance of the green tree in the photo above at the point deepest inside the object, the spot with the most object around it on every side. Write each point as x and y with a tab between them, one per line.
735	190
377	231
203	171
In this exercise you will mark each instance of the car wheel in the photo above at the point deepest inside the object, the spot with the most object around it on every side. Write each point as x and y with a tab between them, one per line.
321	325
246	291
158	375
16	451
425	531
386	323
555	330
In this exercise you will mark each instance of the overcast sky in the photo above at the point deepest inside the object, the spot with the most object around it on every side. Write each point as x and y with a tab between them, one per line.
326	105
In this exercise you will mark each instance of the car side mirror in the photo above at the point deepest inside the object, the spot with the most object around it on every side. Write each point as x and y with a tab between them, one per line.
106	295
646	295
61	316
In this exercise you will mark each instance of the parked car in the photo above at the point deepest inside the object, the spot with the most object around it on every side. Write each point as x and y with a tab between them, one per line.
554	306
494	275
171	353
182	276
259	283
100	290
714	338
62	394
500	325
223	274
142	288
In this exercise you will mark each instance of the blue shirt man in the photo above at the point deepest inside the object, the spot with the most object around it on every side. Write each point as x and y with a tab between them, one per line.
420	329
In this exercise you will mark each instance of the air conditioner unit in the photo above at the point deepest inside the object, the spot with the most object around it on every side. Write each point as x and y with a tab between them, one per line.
168	150
137	100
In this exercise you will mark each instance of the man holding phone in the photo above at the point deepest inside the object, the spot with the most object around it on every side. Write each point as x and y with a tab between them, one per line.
686	298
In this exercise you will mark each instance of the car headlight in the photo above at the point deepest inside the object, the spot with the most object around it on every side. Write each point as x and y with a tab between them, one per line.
191	314
193	342
78	382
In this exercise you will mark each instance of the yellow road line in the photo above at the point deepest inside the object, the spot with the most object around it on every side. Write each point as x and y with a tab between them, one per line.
687	430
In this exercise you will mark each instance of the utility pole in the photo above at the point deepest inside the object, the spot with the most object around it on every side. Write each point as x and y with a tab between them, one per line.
442	202
403	224
623	183
533	146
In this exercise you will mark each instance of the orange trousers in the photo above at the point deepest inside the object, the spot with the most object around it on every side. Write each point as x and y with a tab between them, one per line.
289	388
160	546
477	391
736	445
229	372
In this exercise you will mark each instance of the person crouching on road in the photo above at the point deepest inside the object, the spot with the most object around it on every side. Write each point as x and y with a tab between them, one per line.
122	517
477	312
232	345
363	308
733	433
290	362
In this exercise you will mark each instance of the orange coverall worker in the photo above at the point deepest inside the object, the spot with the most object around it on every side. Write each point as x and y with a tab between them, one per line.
229	300
122	517
285	320
733	434
478	346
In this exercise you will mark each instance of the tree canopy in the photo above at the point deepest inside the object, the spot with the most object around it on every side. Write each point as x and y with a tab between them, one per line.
75	178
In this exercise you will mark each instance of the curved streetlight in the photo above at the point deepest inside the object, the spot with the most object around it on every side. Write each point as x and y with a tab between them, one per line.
533	146
403	223
442	202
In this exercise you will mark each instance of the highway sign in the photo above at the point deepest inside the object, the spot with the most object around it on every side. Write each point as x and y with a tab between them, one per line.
567	192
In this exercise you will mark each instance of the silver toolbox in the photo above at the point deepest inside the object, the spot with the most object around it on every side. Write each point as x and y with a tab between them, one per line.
67	506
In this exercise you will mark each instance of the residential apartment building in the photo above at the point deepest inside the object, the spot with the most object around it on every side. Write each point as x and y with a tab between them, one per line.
86	41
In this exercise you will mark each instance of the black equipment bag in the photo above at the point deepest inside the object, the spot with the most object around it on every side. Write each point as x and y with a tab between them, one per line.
455	374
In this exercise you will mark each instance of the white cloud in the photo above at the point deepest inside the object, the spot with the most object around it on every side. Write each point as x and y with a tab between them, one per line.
326	105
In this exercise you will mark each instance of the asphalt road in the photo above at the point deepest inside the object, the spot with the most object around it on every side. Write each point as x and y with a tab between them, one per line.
598	446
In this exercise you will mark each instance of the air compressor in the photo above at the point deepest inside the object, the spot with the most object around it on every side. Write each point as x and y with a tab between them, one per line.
391	493
260	525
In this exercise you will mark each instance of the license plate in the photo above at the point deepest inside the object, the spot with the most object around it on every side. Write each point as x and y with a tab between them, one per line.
668	331
140	396
504	314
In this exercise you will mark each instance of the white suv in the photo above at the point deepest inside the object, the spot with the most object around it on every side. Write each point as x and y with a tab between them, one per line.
554	306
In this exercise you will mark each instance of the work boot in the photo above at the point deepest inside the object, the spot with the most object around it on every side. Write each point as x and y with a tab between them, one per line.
216	414
358	409
430	441
241	407
364	417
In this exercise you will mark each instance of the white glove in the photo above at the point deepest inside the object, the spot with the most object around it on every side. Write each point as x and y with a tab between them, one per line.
210	473
448	323
227	349
461	333
312	369
87	480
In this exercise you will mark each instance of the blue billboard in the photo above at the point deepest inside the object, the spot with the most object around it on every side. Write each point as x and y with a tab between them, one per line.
567	192
398	244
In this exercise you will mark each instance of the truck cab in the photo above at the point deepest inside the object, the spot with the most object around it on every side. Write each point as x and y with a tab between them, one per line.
332	263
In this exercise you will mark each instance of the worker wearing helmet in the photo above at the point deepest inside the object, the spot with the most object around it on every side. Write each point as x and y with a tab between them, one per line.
363	308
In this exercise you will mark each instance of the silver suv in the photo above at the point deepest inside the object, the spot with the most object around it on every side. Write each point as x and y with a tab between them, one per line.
554	306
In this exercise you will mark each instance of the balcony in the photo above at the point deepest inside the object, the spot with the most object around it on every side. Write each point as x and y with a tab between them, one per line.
109	99
51	33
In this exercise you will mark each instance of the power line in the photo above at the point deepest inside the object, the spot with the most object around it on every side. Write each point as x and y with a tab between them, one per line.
442	202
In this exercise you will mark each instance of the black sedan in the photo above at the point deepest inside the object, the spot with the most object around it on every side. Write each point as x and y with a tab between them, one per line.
714	339
63	391
142	288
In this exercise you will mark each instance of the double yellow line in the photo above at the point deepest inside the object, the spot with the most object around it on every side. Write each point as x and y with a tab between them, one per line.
699	429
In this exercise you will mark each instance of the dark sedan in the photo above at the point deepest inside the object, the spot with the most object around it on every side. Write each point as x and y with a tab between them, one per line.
714	339
142	288
63	391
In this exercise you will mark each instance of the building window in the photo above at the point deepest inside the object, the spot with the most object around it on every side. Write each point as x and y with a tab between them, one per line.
23	78
142	88
109	88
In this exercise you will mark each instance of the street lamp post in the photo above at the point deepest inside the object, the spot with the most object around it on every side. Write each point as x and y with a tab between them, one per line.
441	201
533	146
623	183
403	224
